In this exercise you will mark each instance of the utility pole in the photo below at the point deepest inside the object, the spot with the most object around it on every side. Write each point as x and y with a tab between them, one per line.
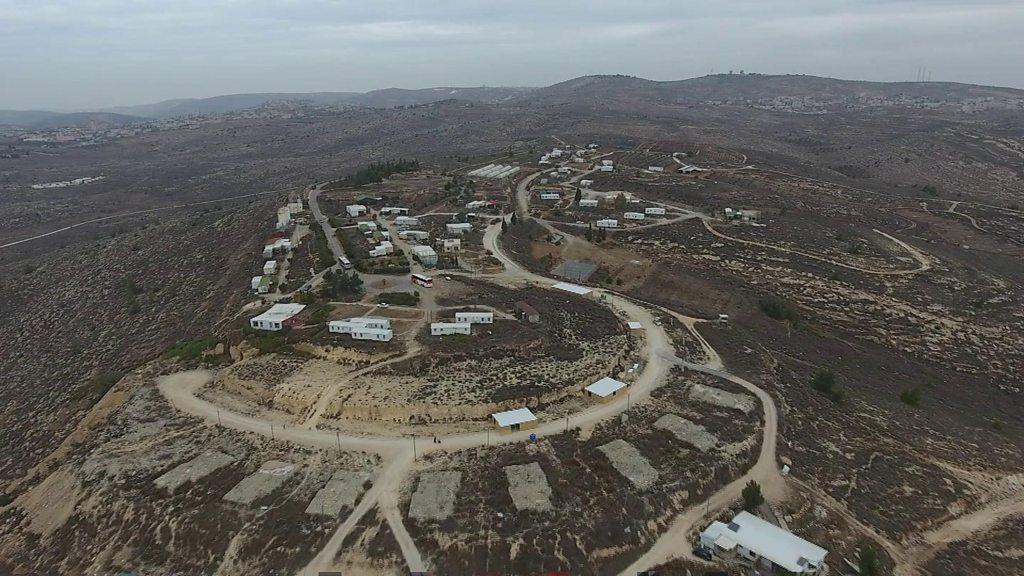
413	446
272	431
337	436
219	423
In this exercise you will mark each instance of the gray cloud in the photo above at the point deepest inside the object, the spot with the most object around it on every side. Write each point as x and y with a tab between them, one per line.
91	53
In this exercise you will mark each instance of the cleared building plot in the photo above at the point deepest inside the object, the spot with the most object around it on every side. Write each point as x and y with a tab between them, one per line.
340	492
528	487
268	478
203	465
630	463
434	498
742	402
690	432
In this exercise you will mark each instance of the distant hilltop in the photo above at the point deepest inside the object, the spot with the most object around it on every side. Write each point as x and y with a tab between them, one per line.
794	93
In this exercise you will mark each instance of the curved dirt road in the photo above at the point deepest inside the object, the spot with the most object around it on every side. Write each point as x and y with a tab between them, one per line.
923	262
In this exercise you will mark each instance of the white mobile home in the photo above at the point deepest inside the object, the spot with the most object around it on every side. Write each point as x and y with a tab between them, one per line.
425	254
295	207
382	249
607	223
346	326
354	210
607	163
634	216
586	183
475	317
607	168
550	196
277	317
655	169
654	211
406	221
394	210
458	227
588	203
574	289
754	540
446	328
414	235
269	267
366	226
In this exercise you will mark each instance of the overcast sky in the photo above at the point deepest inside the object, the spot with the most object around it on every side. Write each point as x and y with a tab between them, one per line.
94	53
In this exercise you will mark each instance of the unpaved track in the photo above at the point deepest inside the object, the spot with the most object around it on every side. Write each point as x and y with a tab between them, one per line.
923	262
135	213
180	390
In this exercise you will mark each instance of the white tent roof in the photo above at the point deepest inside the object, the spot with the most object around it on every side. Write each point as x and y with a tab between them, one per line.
635	325
574	288
605	387
767	540
517	416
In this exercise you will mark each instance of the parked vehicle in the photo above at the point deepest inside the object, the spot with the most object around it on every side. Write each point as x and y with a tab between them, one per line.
703	553
344	262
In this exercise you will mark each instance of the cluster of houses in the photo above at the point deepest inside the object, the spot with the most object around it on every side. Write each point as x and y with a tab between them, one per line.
604	390
278	244
463	323
558	154
363	328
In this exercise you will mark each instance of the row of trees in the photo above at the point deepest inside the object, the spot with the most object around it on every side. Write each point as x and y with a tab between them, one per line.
378	171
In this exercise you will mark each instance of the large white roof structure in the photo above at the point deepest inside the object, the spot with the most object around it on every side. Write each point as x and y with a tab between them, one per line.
782	548
573	288
517	416
280	312
605	387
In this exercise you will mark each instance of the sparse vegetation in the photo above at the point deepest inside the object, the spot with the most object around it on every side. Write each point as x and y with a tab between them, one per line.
868	563
399	298
824	381
912	396
190	349
779	309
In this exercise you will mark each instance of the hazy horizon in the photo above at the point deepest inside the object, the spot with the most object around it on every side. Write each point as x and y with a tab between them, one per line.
97	54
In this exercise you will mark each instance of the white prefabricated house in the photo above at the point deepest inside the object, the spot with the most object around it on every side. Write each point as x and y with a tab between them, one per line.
655	169
654	211
586	183
354	210
761	543
446	328
270	267
605	388
550	196
474	204
284	217
382	249
405	221
564	170
474	317
458	227
366	226
295	207
574	289
607	168
414	234
277	317
634	216
425	254
363	328
607	163
607	223
515	420
398	210
588	203
450	245
254	284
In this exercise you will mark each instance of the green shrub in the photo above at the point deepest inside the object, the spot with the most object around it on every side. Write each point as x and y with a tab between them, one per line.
399	298
912	396
824	381
779	309
190	349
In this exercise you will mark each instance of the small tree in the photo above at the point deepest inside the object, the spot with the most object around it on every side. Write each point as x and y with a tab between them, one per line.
512	220
504	226
752	496
869	564
579	194
912	396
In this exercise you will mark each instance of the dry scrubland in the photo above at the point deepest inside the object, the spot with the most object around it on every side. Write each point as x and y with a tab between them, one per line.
599	519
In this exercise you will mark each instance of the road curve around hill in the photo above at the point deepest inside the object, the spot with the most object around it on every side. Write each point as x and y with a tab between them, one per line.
396	451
